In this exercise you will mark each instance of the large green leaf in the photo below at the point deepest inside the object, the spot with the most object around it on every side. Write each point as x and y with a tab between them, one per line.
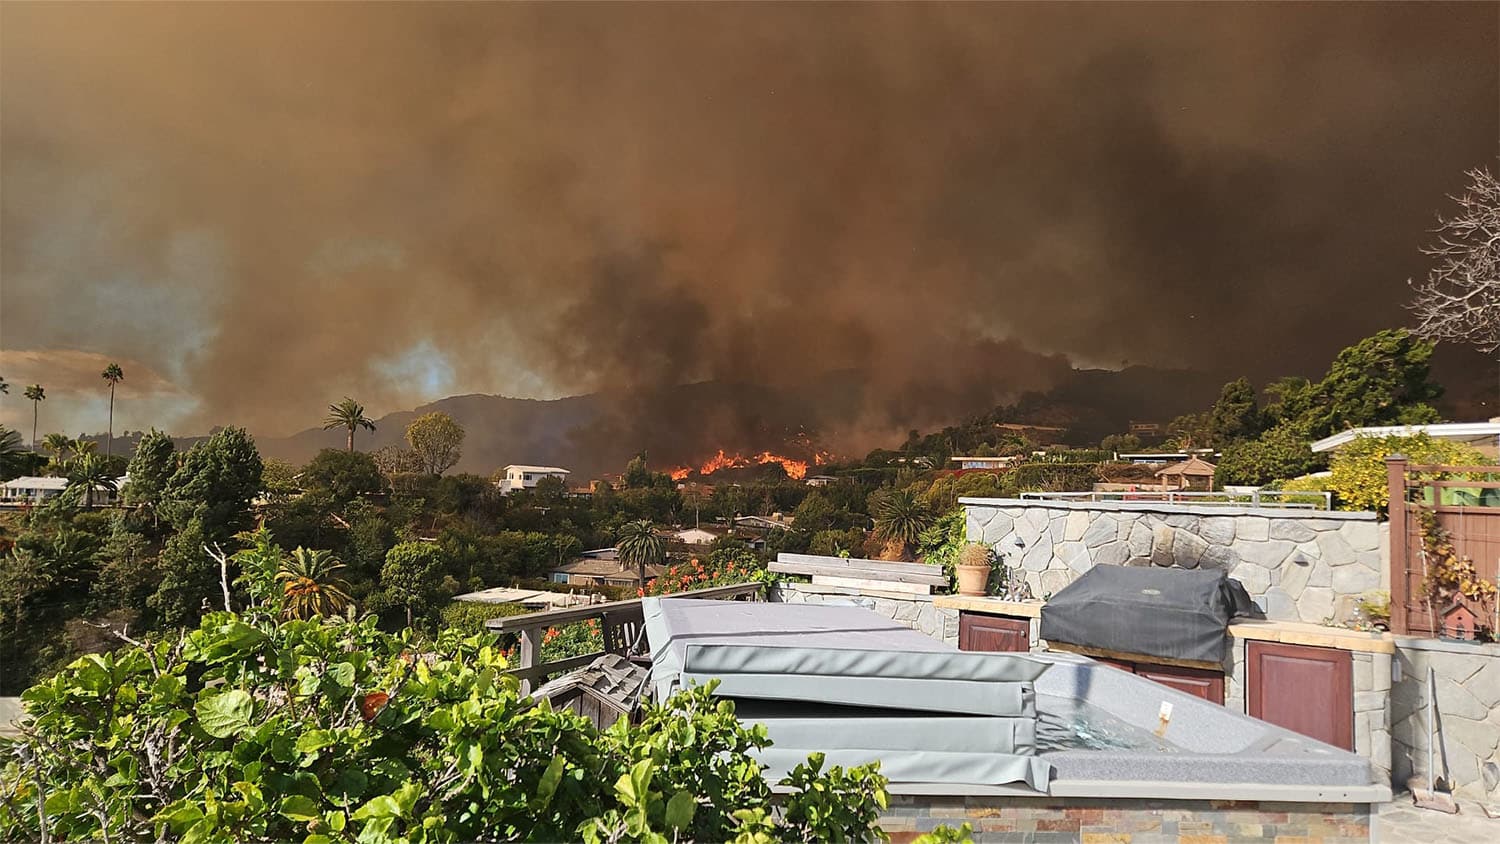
225	715
300	807
680	810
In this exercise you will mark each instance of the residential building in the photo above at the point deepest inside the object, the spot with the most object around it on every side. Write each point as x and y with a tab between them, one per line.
527	477
971	463
775	521
586	571
1484	436
820	480
39	490
697	536
1164	457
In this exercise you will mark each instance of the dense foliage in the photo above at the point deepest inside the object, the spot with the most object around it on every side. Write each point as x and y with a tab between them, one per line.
331	730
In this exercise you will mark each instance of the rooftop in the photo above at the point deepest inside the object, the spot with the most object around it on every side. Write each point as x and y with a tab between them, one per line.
553	470
1485	433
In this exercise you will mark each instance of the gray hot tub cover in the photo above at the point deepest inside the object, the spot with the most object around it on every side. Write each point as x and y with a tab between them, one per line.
859	687
1163	612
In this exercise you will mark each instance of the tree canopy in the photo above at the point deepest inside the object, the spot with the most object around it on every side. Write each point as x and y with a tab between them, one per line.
437	441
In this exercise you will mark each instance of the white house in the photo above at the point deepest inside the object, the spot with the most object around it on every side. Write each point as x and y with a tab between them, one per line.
974	462
1484	436
696	536
38	490
527	477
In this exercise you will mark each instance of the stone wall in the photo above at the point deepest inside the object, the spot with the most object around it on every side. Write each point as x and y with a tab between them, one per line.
1468	697
1128	821
1297	564
914	611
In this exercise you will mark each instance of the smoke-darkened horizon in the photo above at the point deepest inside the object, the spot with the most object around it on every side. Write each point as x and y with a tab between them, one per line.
265	207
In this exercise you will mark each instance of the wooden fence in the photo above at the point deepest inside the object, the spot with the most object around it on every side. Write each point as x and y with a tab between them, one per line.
1473	528
621	623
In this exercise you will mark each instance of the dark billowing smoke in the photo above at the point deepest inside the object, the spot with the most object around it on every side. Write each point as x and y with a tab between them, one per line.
275	205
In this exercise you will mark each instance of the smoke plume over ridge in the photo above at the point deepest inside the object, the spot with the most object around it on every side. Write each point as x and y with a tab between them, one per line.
275	205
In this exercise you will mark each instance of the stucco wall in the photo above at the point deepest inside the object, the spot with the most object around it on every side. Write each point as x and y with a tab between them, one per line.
1297	564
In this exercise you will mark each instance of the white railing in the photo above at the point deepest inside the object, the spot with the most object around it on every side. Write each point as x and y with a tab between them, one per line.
1274	498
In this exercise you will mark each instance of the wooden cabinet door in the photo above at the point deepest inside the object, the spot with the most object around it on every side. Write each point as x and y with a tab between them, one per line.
1305	689
980	632
1199	682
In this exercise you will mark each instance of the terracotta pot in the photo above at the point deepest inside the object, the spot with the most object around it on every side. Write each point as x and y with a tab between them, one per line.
973	580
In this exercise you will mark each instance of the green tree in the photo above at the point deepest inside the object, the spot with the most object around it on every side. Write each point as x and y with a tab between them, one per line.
637	476
437	440
188	577
114	375
61	445
10	453
1236	416
215	483
150	470
89	474
1384	379
278	478
36	395
900	517
311	585
412	577
341	476
640	545
1280	453
348	414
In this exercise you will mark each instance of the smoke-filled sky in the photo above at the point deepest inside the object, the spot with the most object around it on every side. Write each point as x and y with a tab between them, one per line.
260	208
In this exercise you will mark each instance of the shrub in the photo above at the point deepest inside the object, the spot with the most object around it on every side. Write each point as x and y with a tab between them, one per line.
1358	476
333	731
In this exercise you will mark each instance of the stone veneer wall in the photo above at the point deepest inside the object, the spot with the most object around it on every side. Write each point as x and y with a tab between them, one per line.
1468	696
1297	564
914	611
1128	821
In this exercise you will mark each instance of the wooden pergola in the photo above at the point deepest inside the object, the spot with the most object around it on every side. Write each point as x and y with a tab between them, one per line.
1190	474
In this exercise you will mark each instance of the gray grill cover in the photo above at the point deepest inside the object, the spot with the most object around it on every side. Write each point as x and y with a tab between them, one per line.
1162	612
856	686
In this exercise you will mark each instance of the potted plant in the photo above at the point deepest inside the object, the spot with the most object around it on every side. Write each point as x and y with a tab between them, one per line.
975	561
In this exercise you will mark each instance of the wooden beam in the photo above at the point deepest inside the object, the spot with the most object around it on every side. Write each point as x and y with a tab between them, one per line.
1395	482
531	648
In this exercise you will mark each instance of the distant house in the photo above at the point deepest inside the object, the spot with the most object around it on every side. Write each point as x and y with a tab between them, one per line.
1484	436
531	599
527	477
586	571
820	480
39	490
697	536
1162	458
601	554
992	463
775	521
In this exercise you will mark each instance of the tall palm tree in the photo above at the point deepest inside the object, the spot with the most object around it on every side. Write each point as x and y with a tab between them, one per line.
310	585
347	414
90	472
901	516
114	375
83	447
36	395
640	544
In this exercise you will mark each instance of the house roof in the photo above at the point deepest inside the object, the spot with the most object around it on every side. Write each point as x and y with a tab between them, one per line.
1190	466
505	595
613	569
549	469
37	482
1464	432
772	522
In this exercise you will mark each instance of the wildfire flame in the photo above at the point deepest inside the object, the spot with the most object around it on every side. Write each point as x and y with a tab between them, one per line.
794	468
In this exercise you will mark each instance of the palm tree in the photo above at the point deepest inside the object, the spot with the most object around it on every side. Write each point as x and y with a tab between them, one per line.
36	395
347	414
640	544
83	447
901	516
10	450
59	445
88	473
114	375
310	585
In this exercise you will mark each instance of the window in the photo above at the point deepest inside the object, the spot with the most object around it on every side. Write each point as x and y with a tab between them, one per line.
559	577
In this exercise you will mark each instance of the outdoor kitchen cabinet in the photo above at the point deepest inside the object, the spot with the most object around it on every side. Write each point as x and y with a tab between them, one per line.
982	632
1306	689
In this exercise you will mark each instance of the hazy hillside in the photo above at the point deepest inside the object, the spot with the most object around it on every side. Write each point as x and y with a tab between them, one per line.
682	425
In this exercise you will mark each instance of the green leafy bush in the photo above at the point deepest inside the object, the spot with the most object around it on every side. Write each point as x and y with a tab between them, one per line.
333	731
1358	476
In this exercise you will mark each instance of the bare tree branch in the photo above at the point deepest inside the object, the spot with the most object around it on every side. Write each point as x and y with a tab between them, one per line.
218	554
1460	298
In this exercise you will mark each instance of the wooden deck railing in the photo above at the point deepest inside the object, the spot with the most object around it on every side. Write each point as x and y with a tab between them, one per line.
621	623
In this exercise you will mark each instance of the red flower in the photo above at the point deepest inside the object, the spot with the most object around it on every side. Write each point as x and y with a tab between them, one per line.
641	593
